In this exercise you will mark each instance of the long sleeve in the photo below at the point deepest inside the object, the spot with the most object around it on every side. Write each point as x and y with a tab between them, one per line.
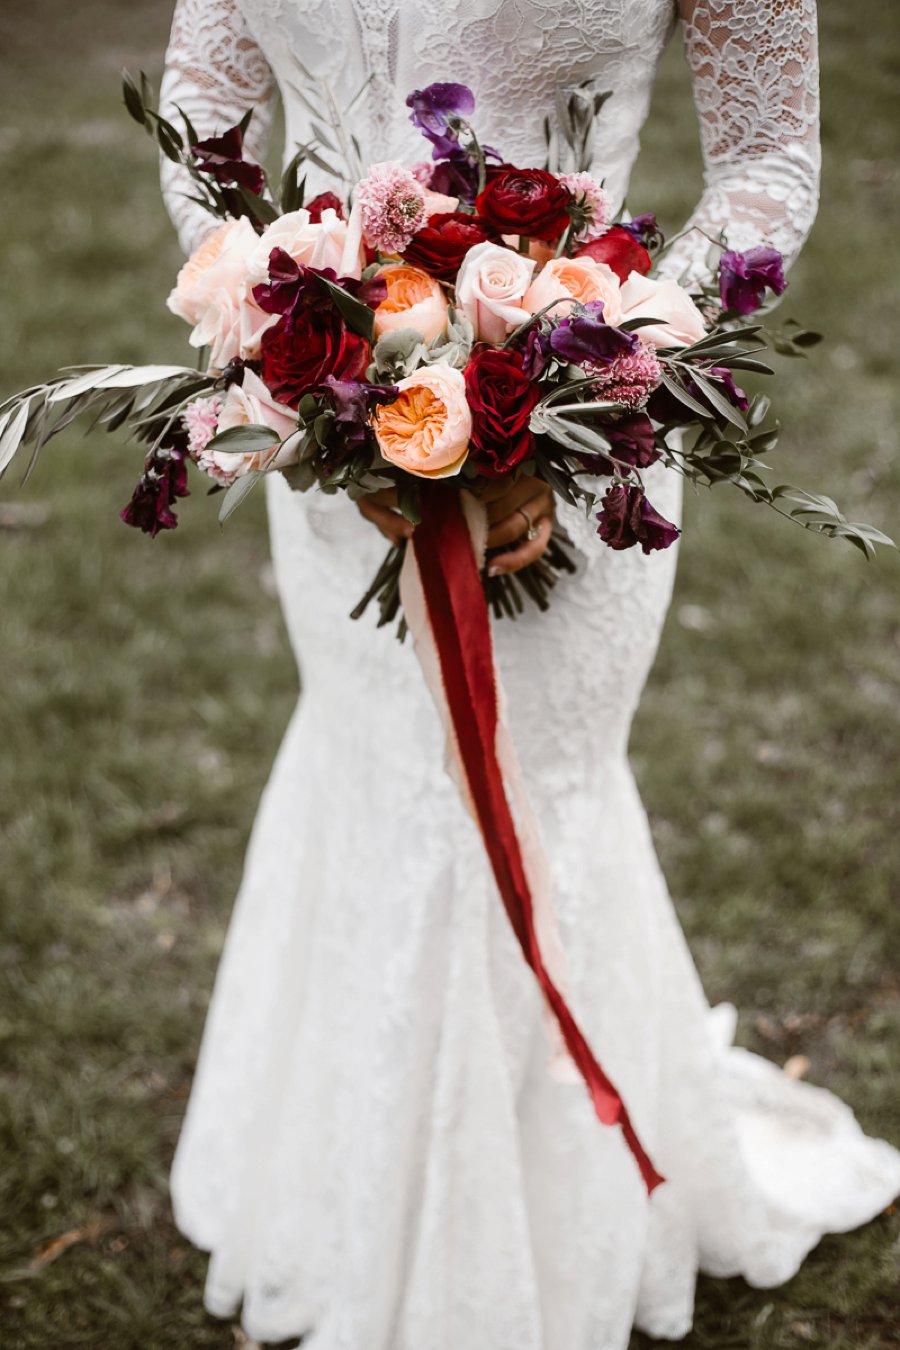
754	67
214	72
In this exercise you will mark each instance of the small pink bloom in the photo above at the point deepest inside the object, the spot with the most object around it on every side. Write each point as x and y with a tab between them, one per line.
589	195
201	420
392	203
631	379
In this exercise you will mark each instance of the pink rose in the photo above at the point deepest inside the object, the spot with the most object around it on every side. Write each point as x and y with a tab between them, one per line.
490	289
426	429
312	244
681	322
438	202
579	279
251	404
413	300
212	293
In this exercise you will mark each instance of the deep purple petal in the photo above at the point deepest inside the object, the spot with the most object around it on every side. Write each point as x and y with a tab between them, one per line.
585	340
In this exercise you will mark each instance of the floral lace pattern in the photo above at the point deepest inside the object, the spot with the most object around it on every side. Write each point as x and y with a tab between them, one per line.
374	1152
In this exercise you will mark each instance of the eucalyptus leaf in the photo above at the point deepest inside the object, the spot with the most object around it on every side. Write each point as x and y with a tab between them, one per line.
243	440
719	401
674	387
13	431
133	100
235	494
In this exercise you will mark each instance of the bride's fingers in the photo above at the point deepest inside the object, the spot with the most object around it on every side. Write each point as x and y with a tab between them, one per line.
513	526
391	524
528	551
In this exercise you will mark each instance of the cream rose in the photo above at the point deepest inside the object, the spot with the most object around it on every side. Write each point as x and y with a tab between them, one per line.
414	300
251	404
681	322
581	279
319	244
436	202
490	289
426	429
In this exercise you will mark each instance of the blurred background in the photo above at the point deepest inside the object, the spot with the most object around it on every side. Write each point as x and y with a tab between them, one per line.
144	687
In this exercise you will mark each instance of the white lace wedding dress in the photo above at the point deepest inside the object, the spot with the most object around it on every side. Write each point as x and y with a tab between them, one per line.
374	1152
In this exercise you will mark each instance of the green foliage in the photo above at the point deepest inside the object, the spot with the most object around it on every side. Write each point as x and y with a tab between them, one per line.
146	686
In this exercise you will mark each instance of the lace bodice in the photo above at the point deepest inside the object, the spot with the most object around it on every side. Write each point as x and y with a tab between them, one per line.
753	62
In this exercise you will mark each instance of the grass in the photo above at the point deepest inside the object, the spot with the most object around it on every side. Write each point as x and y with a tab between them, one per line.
145	687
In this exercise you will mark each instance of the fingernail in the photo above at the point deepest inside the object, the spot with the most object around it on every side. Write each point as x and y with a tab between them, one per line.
496	571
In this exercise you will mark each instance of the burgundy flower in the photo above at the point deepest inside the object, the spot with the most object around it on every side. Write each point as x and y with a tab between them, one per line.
620	250
585	340
525	201
501	397
744	278
322	203
632	440
222	157
292	286
352	402
536	353
433	110
627	518
307	346
441	244
164	479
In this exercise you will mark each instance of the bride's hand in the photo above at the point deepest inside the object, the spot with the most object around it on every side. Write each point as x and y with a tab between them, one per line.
510	507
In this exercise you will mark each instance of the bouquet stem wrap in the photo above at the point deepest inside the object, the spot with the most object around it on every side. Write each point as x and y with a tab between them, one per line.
445	609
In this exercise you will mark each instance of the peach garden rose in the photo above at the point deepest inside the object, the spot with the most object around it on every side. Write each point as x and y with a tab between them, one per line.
426	429
414	300
579	279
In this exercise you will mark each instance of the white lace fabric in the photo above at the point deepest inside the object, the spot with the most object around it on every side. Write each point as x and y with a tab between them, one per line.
374	1151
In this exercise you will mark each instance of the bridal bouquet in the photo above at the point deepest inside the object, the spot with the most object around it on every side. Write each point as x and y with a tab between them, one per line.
439	326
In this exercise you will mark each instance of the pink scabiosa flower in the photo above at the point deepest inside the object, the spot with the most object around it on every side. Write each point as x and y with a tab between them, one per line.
392	204
201	418
632	377
591	202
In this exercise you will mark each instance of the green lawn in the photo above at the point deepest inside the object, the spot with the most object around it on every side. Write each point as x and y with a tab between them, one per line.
145	687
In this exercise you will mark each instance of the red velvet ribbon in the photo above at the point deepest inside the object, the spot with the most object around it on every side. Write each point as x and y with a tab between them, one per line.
458	615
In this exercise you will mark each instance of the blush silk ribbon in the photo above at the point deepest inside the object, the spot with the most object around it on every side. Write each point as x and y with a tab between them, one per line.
446	611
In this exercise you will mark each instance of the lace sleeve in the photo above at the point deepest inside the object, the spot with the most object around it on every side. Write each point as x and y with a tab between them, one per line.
214	71
754	66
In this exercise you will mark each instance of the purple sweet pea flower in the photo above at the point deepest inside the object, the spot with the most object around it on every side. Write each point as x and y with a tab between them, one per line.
632	441
353	400
585	340
222	157
744	277
536	354
627	518
432	109
644	229
164	479
724	378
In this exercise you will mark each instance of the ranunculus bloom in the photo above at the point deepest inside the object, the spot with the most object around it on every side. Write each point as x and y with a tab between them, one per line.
318	244
579	279
501	397
681	322
212	293
618	249
414	300
525	201
426	429
744	278
250	404
306	346
440	246
627	518
490	290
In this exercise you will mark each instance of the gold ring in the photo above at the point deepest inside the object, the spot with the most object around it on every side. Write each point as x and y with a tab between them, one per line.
532	531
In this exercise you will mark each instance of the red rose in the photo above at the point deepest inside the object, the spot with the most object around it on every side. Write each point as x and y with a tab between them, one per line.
440	246
321	203
501	398
620	251
304	348
525	201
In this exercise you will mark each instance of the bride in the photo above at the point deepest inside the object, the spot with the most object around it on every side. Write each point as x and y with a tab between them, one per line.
375	1153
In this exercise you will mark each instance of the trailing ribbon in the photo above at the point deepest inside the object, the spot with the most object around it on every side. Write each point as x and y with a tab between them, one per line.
445	608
